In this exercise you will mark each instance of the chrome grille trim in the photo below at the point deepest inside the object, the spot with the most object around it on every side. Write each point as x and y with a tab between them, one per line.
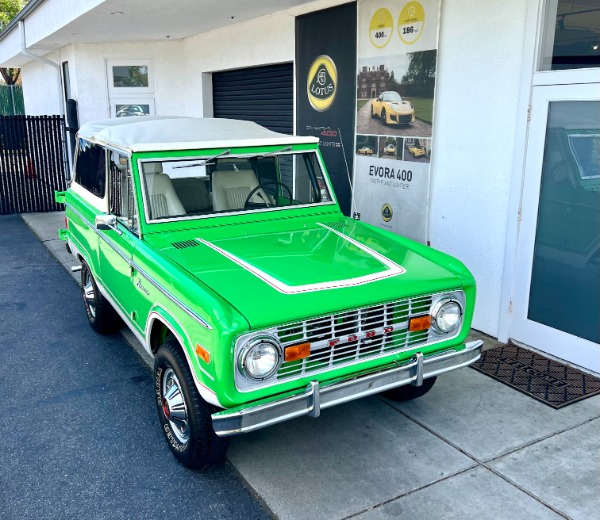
354	335
350	337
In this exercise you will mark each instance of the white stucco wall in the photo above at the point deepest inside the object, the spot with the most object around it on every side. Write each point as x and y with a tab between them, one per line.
41	88
87	68
477	95
169	69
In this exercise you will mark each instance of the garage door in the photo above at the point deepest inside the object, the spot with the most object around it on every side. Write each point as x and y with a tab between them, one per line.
264	95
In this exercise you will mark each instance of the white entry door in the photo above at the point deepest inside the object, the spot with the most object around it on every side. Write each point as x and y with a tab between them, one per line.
557	287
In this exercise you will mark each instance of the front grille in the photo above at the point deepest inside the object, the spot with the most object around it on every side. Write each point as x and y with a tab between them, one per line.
350	336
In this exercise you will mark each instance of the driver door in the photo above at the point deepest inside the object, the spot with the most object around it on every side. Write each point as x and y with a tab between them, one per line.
119	242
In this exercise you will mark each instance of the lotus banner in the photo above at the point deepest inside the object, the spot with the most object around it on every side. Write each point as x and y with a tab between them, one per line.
395	86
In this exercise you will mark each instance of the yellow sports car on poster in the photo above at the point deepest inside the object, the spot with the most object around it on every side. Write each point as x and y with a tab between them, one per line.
390	149
416	151
392	109
365	150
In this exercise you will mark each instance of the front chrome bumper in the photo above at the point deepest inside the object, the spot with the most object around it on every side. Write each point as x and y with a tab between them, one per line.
315	398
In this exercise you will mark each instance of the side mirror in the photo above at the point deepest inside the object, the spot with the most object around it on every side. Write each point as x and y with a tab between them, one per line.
106	223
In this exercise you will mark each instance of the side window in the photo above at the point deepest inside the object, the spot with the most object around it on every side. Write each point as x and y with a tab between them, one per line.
90	168
121	193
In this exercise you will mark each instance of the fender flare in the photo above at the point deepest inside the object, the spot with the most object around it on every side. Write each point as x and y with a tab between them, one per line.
158	313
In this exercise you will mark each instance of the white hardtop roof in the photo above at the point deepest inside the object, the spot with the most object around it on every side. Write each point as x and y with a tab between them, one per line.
160	133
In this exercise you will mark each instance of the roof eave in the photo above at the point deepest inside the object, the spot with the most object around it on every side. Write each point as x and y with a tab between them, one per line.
31	6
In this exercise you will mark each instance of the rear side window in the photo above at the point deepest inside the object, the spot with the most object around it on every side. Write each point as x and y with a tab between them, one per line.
90	168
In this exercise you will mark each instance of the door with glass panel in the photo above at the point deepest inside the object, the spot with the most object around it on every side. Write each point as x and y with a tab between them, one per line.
556	297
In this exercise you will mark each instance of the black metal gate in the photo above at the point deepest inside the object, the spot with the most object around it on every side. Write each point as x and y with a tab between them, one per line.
32	163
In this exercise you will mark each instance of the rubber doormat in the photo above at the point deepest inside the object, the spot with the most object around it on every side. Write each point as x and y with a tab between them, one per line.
544	379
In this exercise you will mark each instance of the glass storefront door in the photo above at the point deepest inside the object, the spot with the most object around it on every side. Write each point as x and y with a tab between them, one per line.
557	290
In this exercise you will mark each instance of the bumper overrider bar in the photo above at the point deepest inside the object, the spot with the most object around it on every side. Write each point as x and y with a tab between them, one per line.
315	398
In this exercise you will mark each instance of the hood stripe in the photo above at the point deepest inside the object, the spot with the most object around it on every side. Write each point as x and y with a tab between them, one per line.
391	269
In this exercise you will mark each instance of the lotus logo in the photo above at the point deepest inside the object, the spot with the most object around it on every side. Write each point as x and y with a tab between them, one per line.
387	212
321	84
322	76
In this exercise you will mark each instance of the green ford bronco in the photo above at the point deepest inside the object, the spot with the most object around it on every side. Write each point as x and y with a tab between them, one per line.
221	245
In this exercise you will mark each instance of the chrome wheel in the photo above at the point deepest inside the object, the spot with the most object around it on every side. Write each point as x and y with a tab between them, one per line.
102	317
89	293
174	406
185	418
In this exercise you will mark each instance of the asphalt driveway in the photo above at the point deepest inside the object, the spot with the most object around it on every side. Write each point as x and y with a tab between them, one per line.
80	439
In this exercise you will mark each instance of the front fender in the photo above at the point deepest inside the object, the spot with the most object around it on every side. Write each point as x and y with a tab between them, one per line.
202	377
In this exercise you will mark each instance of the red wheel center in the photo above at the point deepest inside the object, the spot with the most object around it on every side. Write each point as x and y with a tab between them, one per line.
166	409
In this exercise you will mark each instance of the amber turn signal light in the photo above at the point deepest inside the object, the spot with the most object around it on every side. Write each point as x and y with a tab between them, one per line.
295	352
203	354
419	323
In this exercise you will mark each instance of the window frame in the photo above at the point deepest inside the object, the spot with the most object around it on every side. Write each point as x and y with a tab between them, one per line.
200	156
135	230
129	62
542	75
135	100
99	202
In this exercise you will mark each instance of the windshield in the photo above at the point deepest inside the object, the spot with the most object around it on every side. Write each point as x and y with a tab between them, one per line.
202	186
391	97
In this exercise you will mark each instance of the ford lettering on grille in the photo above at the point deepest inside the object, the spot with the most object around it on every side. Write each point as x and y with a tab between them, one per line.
353	336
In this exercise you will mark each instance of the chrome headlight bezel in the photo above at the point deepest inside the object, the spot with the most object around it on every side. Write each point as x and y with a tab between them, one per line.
437	307
249	346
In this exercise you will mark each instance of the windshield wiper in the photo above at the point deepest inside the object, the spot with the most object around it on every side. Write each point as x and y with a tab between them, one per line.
285	149
206	161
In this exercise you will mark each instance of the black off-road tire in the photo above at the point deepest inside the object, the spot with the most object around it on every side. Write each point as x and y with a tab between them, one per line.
100	313
408	392
195	443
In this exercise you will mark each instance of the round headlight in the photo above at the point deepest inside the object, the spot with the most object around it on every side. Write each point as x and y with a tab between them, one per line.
260	359
446	315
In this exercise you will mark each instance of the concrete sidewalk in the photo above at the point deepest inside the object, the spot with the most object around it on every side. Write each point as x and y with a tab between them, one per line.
472	448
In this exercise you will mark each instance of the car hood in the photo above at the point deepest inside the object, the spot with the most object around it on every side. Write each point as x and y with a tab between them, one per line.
403	106
304	267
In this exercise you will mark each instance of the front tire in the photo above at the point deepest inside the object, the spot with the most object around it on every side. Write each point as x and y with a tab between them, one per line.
184	416
383	117
102	317
409	392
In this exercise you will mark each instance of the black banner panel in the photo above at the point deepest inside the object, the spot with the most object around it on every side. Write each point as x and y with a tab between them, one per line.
326	89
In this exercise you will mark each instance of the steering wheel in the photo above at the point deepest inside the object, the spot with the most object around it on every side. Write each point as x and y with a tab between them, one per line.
247	203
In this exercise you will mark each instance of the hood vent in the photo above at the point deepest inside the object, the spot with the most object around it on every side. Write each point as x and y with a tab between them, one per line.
185	243
336	224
